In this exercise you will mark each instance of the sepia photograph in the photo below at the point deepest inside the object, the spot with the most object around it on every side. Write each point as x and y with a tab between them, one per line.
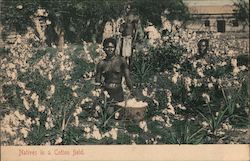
79	75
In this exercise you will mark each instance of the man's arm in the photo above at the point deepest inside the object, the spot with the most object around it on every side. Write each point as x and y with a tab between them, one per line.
127	74
98	74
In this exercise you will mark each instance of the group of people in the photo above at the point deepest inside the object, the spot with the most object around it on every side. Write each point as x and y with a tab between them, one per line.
114	67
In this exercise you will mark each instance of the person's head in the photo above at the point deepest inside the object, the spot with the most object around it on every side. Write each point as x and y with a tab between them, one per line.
128	8
203	46
109	46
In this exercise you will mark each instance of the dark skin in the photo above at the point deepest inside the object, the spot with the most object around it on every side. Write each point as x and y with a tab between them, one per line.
112	69
129	27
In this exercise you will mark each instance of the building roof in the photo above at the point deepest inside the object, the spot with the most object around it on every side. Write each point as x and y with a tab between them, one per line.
225	9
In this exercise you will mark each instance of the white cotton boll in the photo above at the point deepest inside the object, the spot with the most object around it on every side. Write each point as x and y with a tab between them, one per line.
76	121
117	114
78	110
234	62
87	129
48	22
96	134
174	79
24	131
75	94
41	108
200	72
242	68
181	107
170	108
19	116
106	94
50	76
158	118
205	124
210	85
58	140
206	97
145	92
34	96
21	85
26	104
236	70
19	7
114	133
143	126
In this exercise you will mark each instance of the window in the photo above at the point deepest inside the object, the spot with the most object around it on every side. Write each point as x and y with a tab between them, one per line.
207	23
235	23
221	25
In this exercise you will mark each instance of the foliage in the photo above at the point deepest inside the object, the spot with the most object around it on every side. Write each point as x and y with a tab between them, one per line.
241	11
152	10
49	97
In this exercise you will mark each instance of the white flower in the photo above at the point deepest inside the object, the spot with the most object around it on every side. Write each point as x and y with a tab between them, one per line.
48	22
226	126
181	107
170	108
200	72
113	132
145	92
34	96
50	76
96	134
26	104
21	85
206	97
243	67
205	124
78	110
41	108
117	114
195	82
175	77
210	85
87	129
19	116
37	121
106	94
143	126
58	140
24	131
85	100
188	83
27	92
236	70
76	121
19	7
234	62
158	118
75	94
98	108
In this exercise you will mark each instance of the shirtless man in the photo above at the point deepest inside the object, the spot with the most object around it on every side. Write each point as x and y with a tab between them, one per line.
129	32
112	69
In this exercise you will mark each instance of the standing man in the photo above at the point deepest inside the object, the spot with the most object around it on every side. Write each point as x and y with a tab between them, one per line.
112	69
129	34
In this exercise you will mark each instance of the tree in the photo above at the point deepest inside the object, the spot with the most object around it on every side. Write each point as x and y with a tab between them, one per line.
152	10
77	20
241	11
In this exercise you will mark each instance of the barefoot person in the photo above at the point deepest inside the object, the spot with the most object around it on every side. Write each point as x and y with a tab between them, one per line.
112	69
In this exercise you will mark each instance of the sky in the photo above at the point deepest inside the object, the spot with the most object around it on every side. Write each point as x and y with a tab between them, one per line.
209	2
